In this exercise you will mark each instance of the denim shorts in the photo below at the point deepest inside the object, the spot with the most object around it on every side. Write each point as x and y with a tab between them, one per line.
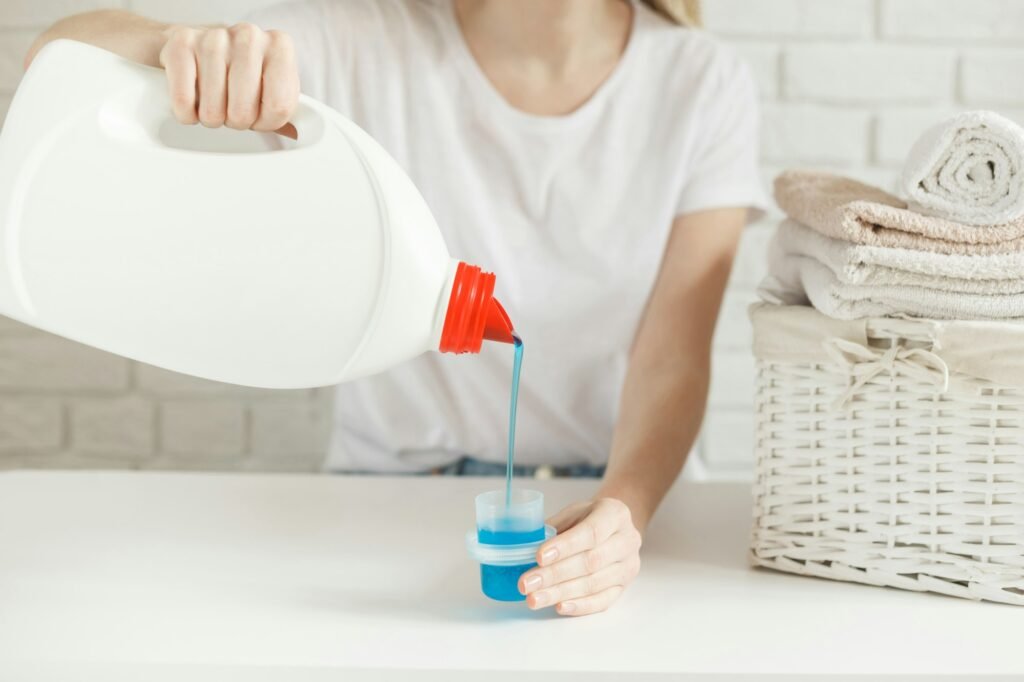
469	466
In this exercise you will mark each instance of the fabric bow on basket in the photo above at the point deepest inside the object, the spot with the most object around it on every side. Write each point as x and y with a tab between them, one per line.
862	364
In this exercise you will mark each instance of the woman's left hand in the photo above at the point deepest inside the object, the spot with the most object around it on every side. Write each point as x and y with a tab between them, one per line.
585	568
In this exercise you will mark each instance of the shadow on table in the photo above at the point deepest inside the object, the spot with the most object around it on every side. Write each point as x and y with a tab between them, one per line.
454	598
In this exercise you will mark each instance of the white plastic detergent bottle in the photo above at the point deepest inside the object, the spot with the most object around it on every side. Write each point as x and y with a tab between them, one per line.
241	257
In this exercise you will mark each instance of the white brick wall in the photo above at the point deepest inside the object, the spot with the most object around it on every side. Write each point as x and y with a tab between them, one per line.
992	77
814	134
37	362
121	426
846	85
978	20
868	73
841	19
30	424
202	428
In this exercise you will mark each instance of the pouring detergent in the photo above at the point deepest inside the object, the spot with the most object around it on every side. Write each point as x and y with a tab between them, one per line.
234	290
118	233
509	524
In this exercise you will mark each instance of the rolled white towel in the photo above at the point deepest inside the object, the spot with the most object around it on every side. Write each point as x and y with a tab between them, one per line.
968	168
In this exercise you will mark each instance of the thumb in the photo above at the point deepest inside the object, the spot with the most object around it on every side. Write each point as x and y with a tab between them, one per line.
569	516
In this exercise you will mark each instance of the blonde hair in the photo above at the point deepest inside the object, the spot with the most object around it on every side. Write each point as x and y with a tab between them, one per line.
682	12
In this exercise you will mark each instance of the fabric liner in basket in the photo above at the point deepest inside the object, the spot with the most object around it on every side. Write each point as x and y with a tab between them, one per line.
891	451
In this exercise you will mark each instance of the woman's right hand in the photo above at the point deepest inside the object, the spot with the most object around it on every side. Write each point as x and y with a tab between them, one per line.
241	77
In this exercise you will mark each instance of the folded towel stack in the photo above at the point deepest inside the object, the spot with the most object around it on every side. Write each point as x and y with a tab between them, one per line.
956	251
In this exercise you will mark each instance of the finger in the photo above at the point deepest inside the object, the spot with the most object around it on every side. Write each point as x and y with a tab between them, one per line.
618	573
280	94
604	519
595	603
619	547
570	516
213	66
244	72
178	57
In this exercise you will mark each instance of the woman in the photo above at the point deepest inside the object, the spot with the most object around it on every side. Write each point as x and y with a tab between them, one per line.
595	154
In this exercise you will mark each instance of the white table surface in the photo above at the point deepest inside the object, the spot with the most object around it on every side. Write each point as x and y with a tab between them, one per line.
153	576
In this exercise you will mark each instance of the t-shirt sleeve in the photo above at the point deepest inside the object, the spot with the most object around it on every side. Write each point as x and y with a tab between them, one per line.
725	171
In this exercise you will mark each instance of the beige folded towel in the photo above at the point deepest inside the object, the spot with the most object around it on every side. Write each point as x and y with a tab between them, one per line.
846	209
1001	273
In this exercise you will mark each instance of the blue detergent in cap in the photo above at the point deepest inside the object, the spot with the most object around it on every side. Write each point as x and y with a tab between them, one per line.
506	540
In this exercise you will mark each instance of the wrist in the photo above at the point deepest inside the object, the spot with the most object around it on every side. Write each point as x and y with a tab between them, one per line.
641	503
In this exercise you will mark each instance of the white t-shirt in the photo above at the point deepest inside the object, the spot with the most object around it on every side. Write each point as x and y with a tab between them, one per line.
571	212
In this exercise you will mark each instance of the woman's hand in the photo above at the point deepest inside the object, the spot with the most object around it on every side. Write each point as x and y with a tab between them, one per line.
241	76
585	568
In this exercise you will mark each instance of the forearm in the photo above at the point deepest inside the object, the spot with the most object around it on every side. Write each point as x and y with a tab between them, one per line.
662	409
129	35
663	399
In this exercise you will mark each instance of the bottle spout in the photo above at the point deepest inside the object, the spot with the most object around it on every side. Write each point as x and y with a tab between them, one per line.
473	314
498	327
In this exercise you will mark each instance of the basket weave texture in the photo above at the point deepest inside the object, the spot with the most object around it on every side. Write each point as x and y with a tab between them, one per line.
891	452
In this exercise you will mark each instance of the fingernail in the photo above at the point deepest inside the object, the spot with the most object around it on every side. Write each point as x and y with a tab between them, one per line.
532	583
540	599
548	555
567	607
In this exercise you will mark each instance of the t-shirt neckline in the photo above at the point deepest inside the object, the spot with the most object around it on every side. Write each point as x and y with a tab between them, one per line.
483	86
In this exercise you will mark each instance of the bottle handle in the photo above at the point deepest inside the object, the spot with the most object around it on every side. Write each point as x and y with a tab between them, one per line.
307	123
132	100
149	106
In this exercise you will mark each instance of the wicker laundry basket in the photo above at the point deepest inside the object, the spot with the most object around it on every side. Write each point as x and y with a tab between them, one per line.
891	452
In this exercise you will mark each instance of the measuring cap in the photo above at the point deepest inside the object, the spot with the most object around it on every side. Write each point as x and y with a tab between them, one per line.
506	555
506	540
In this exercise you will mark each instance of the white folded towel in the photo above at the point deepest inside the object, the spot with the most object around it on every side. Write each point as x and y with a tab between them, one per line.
881	266
799	280
968	168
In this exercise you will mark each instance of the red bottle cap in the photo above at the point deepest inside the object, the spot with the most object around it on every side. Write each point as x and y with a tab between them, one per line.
473	313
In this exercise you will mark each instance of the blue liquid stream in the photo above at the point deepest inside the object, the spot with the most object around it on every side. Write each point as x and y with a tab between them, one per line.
517	365
502	582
